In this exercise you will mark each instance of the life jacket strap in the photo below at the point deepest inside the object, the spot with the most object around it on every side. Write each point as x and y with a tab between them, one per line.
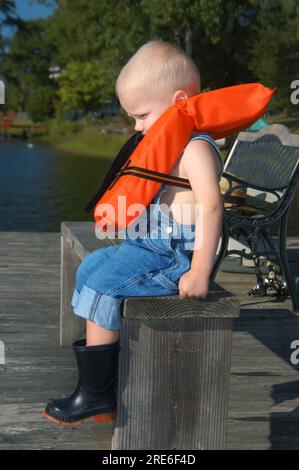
157	176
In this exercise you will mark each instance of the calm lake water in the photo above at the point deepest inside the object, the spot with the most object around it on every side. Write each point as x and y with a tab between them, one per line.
41	187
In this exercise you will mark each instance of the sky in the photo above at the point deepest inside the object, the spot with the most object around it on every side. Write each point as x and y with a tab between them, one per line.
29	10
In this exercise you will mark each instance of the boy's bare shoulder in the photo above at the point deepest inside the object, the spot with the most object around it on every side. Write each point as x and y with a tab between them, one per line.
200	157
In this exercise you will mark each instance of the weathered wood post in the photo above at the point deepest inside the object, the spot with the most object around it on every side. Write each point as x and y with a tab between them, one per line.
71	327
174	372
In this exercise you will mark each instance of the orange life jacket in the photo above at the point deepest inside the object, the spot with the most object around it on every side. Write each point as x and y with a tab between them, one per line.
131	186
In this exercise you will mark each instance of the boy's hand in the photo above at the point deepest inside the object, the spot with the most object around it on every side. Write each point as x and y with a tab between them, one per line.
193	284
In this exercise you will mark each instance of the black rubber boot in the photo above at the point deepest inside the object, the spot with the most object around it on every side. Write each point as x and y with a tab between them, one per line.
95	395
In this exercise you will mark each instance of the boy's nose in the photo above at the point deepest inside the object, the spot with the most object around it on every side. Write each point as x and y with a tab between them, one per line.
138	126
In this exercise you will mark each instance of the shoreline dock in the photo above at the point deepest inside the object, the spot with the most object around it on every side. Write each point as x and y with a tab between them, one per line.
264	396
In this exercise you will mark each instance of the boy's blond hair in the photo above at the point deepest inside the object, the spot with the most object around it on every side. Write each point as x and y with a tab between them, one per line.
160	68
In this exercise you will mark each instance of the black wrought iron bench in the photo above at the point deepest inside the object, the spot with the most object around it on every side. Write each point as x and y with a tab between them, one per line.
262	172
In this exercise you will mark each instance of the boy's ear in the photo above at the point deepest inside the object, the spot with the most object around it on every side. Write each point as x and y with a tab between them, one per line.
179	95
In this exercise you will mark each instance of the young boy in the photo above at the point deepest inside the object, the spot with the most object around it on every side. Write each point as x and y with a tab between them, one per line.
158	75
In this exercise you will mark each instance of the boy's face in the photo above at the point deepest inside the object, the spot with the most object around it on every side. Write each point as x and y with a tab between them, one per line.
144	110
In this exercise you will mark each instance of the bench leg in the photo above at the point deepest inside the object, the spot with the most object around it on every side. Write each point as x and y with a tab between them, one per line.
72	327
222	252
289	277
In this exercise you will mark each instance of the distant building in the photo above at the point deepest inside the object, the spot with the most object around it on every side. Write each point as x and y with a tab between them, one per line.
55	72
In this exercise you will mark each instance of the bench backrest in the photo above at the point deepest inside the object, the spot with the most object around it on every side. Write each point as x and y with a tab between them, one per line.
266	160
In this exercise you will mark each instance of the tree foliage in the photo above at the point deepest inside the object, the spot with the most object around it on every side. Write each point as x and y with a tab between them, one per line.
231	41
26	65
7	17
274	54
39	104
84	85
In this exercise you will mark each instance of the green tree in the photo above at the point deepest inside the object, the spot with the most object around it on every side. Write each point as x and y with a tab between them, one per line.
231	41
91	29
11	98
181	21
27	62
84	85
85	36
39	104
7	17
274	52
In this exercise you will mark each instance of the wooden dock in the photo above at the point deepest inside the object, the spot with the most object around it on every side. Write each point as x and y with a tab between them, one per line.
7	122
264	397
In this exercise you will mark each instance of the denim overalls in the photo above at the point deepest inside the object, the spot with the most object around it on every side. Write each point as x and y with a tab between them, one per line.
149	264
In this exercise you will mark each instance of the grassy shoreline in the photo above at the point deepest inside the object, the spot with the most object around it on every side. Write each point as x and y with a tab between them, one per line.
93	139
104	138
88	141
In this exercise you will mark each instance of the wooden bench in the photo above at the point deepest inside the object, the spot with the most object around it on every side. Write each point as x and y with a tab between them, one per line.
174	364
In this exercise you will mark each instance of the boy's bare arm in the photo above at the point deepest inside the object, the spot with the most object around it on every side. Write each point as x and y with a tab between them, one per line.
202	168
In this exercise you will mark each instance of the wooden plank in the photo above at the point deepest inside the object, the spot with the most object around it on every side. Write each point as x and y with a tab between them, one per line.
219	303
23	428
36	367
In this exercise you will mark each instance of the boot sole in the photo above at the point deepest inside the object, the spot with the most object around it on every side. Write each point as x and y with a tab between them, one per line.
99	419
